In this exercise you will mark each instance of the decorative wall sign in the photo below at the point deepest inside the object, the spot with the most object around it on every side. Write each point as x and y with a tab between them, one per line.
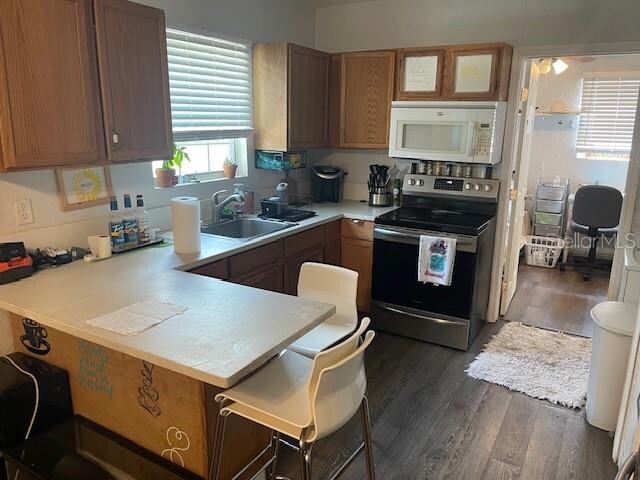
34	338
83	187
148	396
174	434
92	371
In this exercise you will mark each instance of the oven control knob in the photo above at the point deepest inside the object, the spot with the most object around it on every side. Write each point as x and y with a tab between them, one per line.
487	187
420	182
467	186
411	181
476	187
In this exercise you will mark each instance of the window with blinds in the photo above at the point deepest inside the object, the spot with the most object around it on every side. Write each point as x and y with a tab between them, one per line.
607	117
210	84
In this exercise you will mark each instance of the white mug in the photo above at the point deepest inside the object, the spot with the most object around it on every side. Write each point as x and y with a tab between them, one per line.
100	246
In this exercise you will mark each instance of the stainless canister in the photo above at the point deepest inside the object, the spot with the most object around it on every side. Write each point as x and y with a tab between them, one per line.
457	170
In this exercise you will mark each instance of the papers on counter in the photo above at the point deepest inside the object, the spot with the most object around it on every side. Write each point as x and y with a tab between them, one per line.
137	317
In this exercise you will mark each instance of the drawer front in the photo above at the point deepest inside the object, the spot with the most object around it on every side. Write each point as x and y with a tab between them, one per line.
359	229
550	206
549	192
301	242
547	231
548	218
254	259
219	269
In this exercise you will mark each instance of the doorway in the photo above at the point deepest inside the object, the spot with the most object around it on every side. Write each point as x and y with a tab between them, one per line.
575	130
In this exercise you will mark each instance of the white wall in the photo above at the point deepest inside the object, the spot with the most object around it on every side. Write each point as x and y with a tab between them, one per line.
254	20
399	23
553	149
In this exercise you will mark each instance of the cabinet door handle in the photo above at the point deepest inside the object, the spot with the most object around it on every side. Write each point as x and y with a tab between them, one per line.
114	138
357	222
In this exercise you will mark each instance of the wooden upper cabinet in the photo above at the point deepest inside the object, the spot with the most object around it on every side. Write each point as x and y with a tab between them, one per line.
308	91
419	72
456	72
132	55
478	72
334	100
289	97
49	96
366	92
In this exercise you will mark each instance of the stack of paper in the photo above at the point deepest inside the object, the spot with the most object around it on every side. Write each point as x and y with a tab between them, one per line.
137	317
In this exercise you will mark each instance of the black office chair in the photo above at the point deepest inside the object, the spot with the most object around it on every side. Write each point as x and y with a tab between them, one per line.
596	213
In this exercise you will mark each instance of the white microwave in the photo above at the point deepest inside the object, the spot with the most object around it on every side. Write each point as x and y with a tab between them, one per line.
468	132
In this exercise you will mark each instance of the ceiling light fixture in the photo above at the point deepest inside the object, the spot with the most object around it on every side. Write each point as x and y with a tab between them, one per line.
559	66
545	65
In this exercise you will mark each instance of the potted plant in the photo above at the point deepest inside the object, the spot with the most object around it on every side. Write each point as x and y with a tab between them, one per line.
166	175
230	168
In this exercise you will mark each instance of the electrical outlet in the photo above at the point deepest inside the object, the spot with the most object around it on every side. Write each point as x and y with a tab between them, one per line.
24	212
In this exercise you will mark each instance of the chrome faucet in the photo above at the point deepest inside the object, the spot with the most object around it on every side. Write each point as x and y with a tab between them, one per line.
217	206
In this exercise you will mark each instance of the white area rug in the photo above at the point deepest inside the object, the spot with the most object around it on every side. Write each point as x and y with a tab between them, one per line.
539	363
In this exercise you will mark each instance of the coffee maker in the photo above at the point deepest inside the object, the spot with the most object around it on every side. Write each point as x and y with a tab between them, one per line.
326	183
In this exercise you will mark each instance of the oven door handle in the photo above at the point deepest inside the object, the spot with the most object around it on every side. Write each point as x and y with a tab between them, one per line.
440	321
464	243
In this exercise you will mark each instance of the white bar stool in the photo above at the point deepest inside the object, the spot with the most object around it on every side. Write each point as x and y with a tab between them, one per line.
304	399
329	284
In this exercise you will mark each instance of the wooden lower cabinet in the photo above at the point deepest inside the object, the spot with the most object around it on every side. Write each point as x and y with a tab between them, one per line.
276	265
332	251
270	278
293	265
357	255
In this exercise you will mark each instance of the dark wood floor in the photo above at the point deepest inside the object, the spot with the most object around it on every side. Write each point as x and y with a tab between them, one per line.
431	421
549	298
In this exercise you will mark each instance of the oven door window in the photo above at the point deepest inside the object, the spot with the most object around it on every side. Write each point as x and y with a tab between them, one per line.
395	281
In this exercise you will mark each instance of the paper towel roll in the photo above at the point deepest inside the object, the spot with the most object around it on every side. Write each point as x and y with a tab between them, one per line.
185	215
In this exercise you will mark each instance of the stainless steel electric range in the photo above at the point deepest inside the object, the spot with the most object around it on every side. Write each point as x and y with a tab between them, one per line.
439	206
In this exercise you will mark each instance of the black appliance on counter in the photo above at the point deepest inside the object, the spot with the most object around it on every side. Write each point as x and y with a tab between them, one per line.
18	398
326	183
15	264
274	209
81	449
440	207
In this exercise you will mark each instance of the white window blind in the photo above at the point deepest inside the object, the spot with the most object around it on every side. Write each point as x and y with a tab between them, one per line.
607	118
210	84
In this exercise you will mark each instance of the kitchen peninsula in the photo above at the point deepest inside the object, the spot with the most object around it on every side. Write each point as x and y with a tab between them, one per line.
166	376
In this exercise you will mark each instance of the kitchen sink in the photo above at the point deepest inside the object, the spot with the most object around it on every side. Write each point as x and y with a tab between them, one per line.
244	228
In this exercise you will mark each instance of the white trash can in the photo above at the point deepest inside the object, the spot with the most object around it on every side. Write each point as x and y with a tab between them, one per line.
614	323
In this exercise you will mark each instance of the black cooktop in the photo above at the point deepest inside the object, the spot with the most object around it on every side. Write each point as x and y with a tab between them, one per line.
437	219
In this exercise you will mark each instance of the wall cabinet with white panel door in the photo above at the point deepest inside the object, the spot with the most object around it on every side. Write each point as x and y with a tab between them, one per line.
454	72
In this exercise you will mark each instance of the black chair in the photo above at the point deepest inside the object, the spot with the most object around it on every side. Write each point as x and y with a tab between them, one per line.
596	214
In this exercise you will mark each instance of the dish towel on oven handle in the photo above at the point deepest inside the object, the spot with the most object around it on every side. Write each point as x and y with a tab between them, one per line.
435	259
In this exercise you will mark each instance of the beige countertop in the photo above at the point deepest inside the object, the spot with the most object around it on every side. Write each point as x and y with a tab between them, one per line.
228	330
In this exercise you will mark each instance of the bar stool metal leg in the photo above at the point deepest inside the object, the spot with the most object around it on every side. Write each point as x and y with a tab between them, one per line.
220	431
274	464
366	432
305	460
